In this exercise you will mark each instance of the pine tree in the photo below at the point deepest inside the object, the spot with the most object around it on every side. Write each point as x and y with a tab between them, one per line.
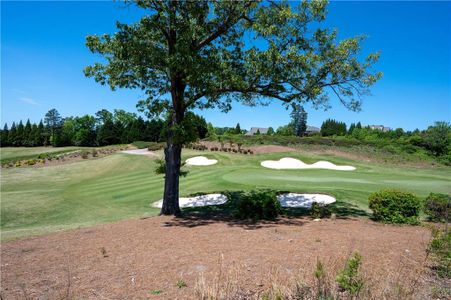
20	134
33	137
4	136
359	125
27	137
53	122
299	119
107	134
237	129
12	136
40	135
351	128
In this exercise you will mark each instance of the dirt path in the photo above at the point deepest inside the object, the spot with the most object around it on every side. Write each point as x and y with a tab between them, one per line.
130	259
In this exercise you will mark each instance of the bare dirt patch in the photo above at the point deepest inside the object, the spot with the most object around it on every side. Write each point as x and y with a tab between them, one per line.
140	259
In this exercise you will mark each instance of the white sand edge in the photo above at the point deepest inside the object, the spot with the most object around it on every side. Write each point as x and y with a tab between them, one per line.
203	200
292	200
292	163
200	161
304	200
139	152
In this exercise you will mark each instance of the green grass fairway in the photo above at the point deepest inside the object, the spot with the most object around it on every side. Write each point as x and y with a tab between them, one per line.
120	186
17	153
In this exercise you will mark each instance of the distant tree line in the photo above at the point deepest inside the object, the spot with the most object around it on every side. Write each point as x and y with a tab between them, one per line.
104	128
436	139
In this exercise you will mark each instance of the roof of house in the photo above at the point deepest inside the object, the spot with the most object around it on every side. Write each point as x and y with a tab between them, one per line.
254	130
312	129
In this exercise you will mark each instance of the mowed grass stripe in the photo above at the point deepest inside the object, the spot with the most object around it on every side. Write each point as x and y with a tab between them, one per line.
36	201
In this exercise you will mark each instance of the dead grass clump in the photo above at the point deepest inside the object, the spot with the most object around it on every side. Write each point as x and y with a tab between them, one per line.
340	279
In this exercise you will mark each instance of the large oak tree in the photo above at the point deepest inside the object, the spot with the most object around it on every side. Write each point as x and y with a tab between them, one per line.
203	54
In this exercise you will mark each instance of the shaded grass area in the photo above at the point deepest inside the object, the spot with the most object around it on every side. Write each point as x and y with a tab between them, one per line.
121	186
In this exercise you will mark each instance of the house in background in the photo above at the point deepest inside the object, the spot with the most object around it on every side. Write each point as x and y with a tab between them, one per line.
309	131
312	130
254	130
380	127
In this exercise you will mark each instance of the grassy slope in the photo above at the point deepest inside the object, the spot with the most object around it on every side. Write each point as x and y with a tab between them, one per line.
120	186
17	153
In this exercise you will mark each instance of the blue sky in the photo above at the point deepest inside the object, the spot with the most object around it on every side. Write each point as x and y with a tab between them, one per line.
43	54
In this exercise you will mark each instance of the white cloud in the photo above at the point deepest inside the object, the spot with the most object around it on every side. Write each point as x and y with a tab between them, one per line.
29	101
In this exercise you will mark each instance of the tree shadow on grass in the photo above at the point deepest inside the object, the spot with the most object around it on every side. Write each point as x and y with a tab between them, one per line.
206	215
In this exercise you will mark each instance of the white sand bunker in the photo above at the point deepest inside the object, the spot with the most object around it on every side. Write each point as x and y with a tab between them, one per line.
286	200
200	161
139	152
203	200
304	200
292	163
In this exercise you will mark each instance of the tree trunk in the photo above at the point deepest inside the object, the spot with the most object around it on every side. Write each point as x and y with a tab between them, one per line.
171	181
173	153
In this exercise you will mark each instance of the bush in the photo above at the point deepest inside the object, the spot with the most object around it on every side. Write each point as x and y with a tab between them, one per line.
94	153
142	144
349	279
84	154
155	146
392	206
319	210
438	207
256	205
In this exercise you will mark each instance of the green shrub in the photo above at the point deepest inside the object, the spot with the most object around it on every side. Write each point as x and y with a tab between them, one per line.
141	144
94	153
394	206
84	154
155	146
349	279
440	250
256	205
438	207
319	210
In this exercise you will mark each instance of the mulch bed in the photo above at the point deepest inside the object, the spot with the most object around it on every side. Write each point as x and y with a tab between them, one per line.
144	258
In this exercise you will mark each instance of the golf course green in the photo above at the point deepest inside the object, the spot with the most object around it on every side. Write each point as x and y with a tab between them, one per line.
39	200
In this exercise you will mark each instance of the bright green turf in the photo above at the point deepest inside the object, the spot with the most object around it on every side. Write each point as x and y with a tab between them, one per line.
120	186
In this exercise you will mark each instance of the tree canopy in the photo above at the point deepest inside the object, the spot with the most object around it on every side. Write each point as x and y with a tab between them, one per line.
187	55
197	49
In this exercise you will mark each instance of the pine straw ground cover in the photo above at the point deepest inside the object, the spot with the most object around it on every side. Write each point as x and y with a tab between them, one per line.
195	258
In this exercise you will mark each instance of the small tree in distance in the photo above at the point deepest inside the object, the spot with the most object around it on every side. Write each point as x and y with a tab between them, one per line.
238	129
187	55
299	119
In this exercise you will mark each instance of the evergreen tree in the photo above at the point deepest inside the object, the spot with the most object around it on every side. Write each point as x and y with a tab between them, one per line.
4	136
351	128
27	137
237	129
107	134
154	130
299	119
12	135
270	131
53	122
33	138
332	127
359	125
20	134
40	135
